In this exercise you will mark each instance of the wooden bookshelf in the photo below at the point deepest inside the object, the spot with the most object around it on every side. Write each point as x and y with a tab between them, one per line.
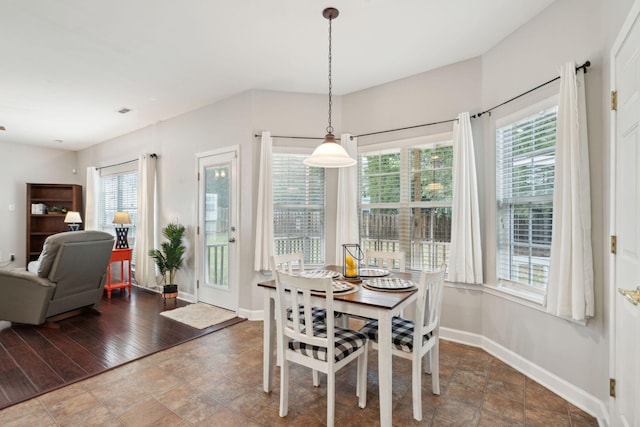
68	197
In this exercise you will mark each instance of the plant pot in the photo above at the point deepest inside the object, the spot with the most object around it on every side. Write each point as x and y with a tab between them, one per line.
169	291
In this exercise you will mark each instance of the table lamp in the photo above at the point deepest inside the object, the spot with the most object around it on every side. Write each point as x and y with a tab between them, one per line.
122	218
73	220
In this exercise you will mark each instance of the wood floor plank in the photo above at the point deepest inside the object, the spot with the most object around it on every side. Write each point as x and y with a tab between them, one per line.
35	368
35	359
87	361
55	358
17	385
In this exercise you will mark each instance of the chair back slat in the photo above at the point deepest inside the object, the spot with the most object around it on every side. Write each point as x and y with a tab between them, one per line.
289	263
382	259
300	290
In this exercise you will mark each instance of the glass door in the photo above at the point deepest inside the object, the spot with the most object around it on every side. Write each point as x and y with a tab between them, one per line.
217	270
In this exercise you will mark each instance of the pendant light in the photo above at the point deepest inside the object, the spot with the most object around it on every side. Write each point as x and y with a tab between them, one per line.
330	154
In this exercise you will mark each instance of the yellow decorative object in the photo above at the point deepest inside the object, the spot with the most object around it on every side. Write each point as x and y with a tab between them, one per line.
351	263
351	272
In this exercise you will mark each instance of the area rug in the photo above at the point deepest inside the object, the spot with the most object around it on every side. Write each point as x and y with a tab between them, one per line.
199	315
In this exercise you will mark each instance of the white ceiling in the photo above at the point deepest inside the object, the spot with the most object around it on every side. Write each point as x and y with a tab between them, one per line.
68	66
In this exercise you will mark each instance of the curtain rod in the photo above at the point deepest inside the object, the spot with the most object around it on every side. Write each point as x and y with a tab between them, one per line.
291	137
153	155
578	68
581	67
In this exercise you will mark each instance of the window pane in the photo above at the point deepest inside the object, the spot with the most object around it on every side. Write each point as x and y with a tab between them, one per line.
380	178
298	208
405	202
525	176
430	237
431	174
119	193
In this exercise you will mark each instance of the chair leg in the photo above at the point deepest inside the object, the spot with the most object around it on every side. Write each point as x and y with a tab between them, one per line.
435	368
331	397
361	387
416	385
426	360
316	378
284	388
344	321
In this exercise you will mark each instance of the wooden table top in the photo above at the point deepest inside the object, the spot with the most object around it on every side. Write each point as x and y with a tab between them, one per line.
365	296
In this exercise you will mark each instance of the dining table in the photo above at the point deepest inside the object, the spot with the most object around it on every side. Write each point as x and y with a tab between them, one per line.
366	302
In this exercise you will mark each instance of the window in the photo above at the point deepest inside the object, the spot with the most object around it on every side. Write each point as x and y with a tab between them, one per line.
119	193
405	201
298	207
525	159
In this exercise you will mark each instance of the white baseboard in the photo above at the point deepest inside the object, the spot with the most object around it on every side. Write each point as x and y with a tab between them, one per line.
251	314
562	388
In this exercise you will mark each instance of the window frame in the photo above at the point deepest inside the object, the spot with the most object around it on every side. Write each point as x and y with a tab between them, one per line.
522	290
304	152
103	222
405	205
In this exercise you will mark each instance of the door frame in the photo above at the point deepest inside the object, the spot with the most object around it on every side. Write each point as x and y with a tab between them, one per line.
632	17
234	264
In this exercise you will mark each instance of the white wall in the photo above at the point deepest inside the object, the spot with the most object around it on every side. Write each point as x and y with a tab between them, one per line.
20	164
230	122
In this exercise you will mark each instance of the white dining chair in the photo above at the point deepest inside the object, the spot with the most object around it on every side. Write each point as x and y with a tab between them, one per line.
293	264
384	259
289	263
413	340
323	347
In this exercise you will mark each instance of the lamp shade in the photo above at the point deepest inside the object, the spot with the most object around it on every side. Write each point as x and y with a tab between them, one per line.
329	154
122	218
73	217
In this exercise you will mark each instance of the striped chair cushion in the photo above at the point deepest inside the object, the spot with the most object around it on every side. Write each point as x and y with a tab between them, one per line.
401	333
347	341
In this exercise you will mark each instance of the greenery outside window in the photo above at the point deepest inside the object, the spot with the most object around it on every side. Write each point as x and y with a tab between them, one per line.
298	207
525	160
405	200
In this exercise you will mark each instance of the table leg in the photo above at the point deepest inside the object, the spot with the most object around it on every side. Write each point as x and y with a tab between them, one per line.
268	341
384	368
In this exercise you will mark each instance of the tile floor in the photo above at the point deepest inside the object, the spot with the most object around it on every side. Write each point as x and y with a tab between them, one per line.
216	380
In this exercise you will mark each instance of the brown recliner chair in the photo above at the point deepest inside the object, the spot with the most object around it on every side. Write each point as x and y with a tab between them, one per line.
70	274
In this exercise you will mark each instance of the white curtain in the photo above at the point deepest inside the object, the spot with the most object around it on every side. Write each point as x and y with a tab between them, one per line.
146	221
91	209
264	219
347	230
465	257
570	287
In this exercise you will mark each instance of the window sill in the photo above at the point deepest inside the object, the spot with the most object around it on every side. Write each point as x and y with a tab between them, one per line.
515	295
512	293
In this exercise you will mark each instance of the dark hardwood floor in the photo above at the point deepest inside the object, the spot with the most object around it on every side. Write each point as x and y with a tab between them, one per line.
37	359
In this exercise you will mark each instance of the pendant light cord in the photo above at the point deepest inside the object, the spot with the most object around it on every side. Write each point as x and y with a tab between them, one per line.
330	128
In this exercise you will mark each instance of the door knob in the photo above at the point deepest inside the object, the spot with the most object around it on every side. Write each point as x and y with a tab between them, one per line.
232	239
632	295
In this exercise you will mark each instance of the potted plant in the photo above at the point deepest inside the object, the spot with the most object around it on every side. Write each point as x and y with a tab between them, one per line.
169	259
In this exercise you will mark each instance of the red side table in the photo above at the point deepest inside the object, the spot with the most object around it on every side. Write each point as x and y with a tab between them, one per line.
119	255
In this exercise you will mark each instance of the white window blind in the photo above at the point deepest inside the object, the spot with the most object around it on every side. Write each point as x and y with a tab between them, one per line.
525	159
298	207
405	202
119	193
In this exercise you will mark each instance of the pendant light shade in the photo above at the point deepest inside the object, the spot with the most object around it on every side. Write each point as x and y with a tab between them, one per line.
330	154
